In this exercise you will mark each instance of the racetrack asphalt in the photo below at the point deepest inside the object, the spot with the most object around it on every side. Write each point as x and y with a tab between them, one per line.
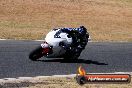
98	57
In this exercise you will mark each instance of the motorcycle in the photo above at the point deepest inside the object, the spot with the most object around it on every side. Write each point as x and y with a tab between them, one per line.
53	46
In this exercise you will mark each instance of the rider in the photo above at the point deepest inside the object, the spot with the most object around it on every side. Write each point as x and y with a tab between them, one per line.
79	37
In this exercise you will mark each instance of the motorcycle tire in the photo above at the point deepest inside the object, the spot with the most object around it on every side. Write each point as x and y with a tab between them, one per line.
36	54
71	55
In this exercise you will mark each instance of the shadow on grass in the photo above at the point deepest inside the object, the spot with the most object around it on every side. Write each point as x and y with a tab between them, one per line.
83	61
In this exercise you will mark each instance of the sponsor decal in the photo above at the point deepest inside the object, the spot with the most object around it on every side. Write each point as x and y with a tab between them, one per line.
82	77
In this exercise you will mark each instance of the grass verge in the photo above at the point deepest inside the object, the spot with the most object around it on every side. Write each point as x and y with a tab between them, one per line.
60	82
106	20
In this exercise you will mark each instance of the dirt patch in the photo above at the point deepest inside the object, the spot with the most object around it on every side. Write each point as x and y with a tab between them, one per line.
71	83
106	20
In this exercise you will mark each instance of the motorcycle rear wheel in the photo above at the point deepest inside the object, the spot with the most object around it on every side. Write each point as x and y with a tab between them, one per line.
71	55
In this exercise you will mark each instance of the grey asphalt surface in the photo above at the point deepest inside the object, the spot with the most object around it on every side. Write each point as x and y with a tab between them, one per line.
97	57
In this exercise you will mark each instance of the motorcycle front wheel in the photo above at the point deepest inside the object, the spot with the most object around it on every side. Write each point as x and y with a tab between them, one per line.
36	54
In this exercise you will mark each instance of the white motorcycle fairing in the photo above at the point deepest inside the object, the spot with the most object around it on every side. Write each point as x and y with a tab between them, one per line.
55	41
